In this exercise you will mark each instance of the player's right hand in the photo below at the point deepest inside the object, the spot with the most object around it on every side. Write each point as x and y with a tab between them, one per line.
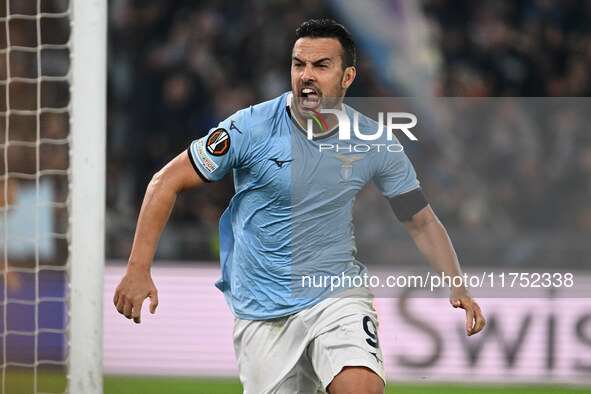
135	286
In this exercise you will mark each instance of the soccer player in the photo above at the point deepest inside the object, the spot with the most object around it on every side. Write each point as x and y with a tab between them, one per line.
290	218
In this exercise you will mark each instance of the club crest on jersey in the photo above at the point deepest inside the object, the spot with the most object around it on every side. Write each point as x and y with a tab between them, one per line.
347	166
218	142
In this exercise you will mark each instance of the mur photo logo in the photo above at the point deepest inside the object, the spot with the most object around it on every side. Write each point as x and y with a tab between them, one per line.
387	122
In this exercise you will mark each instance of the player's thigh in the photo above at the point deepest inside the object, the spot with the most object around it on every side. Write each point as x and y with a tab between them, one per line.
349	349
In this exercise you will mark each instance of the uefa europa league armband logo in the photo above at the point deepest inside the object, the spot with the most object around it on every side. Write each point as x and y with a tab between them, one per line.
218	142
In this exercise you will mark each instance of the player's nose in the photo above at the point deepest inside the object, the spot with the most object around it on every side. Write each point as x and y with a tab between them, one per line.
308	73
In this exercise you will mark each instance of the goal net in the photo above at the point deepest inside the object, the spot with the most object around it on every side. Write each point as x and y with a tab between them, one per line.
52	138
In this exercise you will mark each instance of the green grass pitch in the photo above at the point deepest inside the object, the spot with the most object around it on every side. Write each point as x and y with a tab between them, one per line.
166	386
21	382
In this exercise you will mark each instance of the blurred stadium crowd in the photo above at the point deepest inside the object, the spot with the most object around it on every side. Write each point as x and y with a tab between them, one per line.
177	68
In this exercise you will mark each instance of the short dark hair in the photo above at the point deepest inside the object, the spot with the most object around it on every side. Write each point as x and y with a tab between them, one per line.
327	28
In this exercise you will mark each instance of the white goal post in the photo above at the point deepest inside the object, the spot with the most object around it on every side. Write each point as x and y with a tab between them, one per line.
88	182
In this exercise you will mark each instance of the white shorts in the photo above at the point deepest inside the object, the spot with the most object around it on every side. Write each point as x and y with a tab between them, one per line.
303	352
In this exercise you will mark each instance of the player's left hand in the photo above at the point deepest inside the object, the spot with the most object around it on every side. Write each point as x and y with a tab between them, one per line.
474	319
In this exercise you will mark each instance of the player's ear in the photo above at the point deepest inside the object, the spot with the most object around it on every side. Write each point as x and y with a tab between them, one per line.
348	77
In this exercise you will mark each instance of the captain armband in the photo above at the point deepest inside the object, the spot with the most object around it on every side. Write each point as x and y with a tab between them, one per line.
406	205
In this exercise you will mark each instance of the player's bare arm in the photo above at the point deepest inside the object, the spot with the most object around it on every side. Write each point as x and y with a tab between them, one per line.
137	285
433	242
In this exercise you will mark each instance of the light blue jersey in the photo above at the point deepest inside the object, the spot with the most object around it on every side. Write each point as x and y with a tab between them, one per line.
292	211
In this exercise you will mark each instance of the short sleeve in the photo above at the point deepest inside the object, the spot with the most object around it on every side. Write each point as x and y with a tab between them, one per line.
396	174
222	149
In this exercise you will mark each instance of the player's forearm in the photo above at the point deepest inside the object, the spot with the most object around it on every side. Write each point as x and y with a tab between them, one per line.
177	176
435	245
155	211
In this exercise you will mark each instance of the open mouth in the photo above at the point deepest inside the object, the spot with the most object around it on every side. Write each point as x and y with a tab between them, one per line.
309	98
